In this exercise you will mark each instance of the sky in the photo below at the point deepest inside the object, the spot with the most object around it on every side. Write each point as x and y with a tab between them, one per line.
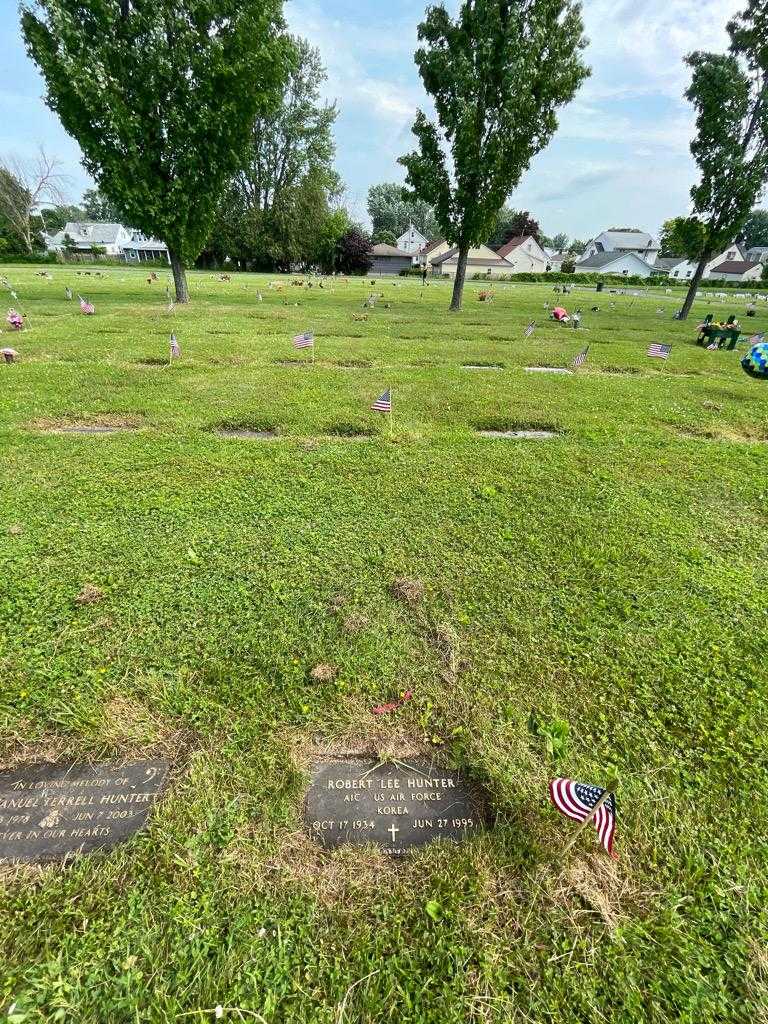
620	156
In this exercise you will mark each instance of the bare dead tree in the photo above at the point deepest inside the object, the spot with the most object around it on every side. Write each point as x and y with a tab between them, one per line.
24	185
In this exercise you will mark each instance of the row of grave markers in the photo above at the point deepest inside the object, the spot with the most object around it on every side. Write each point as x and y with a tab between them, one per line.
53	812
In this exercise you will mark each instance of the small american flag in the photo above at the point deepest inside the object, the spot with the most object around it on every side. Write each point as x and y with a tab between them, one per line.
68	293
86	307
530	329
383	403
580	359
306	340
756	339
175	348
657	351
577	800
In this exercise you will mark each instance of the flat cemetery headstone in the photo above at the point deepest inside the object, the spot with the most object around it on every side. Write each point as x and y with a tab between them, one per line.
48	811
547	369
398	806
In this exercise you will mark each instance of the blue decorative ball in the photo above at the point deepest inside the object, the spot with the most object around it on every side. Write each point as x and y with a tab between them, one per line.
755	362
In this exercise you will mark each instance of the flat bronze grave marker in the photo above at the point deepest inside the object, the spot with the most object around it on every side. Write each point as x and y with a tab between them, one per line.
398	806
48	811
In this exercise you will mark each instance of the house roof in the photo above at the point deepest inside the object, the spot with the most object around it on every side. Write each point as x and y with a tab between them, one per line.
667	262
734	267
604	259
632	239
382	249
92	232
513	243
431	246
476	261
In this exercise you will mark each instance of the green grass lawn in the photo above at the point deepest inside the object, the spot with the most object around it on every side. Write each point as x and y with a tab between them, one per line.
613	578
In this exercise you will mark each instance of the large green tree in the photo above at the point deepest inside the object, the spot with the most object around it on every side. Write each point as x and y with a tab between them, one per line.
24	186
98	207
161	95
275	206
756	229
390	211
497	73
512	224
730	95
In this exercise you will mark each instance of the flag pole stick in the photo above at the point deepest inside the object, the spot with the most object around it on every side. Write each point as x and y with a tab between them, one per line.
391	412
612	786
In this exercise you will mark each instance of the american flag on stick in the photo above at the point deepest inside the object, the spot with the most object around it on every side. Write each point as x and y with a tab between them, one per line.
530	329
306	340
756	339
383	403
86	307
584	803
657	351
175	348
580	359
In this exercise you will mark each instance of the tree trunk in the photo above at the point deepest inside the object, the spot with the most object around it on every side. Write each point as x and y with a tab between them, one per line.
458	284
694	286
179	277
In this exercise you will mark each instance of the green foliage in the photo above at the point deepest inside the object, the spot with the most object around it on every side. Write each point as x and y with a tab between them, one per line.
553	731
496	74
730	96
577	246
683	237
391	210
274	210
568	267
756	229
513	224
52	220
161	98
98	207
384	238
353	251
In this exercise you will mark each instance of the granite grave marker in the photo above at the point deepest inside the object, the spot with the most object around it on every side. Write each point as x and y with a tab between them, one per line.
399	806
49	811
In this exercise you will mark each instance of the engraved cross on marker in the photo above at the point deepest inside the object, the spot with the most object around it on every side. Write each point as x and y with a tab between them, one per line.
393	830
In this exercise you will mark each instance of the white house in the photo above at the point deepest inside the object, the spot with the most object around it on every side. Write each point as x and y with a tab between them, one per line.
685	269
432	250
556	258
481	260
628	264
115	239
412	241
737	270
623	241
757	254
524	255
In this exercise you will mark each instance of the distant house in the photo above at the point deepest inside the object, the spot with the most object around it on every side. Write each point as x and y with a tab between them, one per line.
556	258
684	270
432	250
524	255
412	241
389	260
630	240
481	260
737	270
114	239
757	254
628	264
664	264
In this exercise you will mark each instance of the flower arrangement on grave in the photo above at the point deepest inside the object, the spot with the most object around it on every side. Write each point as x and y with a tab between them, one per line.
16	320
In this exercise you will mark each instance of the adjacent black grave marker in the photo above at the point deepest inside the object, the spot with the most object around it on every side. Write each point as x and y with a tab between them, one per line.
398	806
50	810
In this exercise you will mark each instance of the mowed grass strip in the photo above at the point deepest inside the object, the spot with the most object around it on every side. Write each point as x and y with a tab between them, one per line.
586	605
